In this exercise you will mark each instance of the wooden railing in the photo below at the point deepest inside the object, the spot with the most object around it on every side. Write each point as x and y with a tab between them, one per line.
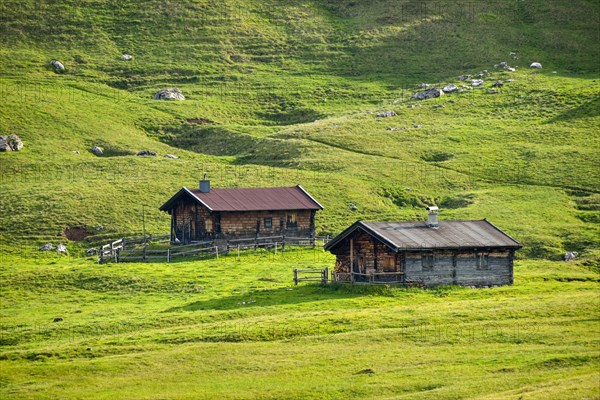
371	278
311	275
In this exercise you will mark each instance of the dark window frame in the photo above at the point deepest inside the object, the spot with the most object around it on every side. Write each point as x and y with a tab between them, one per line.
427	261
482	260
268	222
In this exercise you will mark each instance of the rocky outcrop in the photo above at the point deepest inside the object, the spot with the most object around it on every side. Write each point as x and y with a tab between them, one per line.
169	94
11	143
536	65
58	66
428	94
146	153
97	150
450	88
385	114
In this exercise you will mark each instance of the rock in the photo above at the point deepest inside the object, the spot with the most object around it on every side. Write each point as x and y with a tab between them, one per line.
47	247
352	206
169	94
126	57
438	106
11	143
476	82
146	153
464	77
391	128
57	65
413	105
536	65
173	156
428	94
97	150
90	252
423	86
57	319
386	114
449	88
508	80
570	255
61	249
492	91
416	126
503	64
510	69
498	84
75	152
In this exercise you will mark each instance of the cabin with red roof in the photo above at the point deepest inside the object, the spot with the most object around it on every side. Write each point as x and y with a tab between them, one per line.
209	213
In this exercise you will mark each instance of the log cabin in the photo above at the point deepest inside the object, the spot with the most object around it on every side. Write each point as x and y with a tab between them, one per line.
428	253
209	213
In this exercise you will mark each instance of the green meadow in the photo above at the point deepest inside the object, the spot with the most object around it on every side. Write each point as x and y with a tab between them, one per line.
285	93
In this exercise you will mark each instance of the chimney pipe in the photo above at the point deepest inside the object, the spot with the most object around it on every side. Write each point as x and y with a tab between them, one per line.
432	217
204	185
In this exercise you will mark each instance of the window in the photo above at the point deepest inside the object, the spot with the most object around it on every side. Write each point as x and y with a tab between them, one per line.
217	223
208	225
268	223
427	261
482	260
291	221
389	264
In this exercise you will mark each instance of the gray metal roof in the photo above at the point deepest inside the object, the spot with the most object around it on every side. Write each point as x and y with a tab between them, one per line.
418	235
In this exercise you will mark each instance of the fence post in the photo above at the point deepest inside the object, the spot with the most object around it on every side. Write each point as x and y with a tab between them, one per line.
283	244
217	251
275	248
144	256
123	243
326	275
168	254
296	276
238	246
116	251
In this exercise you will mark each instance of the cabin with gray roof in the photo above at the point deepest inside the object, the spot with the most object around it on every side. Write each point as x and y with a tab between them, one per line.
428	253
206	213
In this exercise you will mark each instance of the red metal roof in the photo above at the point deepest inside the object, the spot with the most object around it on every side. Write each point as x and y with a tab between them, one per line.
250	199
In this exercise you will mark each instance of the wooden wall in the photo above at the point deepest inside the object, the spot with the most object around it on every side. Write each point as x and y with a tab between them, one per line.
191	221
447	267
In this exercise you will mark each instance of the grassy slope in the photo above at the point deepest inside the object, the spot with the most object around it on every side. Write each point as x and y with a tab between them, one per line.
293	88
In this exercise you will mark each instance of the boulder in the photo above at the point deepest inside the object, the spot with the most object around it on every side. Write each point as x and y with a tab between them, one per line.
492	91
61	249
173	156
386	114
146	153
449	88
476	82
571	255
498	84
169	94
57	65
510	69
11	143
126	57
536	65
464	77
428	94
503	64
47	247
97	150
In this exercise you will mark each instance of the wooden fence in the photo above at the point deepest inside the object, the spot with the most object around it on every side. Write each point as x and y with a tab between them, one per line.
372	278
311	275
141	249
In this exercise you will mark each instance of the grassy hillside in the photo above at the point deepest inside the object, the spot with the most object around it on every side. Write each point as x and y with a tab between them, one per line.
281	93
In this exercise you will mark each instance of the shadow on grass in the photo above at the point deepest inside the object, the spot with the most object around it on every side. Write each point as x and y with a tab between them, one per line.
304	293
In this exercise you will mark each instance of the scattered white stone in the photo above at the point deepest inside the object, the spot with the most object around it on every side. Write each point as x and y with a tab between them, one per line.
450	88
510	69
11	143
126	57
57	65
97	150
146	153
47	247
428	94
476	82
386	114
61	249
571	255
173	156
536	65
464	77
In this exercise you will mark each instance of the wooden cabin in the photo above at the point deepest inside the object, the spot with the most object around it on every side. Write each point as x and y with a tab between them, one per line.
209	213
431	253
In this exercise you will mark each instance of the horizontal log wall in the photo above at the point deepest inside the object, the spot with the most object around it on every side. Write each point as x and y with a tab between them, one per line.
460	268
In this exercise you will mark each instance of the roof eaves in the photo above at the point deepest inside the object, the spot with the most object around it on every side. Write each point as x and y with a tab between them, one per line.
197	199
519	245
309	196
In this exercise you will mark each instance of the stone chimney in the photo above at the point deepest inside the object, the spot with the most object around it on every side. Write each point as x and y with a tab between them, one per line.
432	217
204	185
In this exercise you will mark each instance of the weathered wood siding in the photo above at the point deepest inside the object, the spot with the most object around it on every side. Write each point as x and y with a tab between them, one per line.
460	268
192	221
370	255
